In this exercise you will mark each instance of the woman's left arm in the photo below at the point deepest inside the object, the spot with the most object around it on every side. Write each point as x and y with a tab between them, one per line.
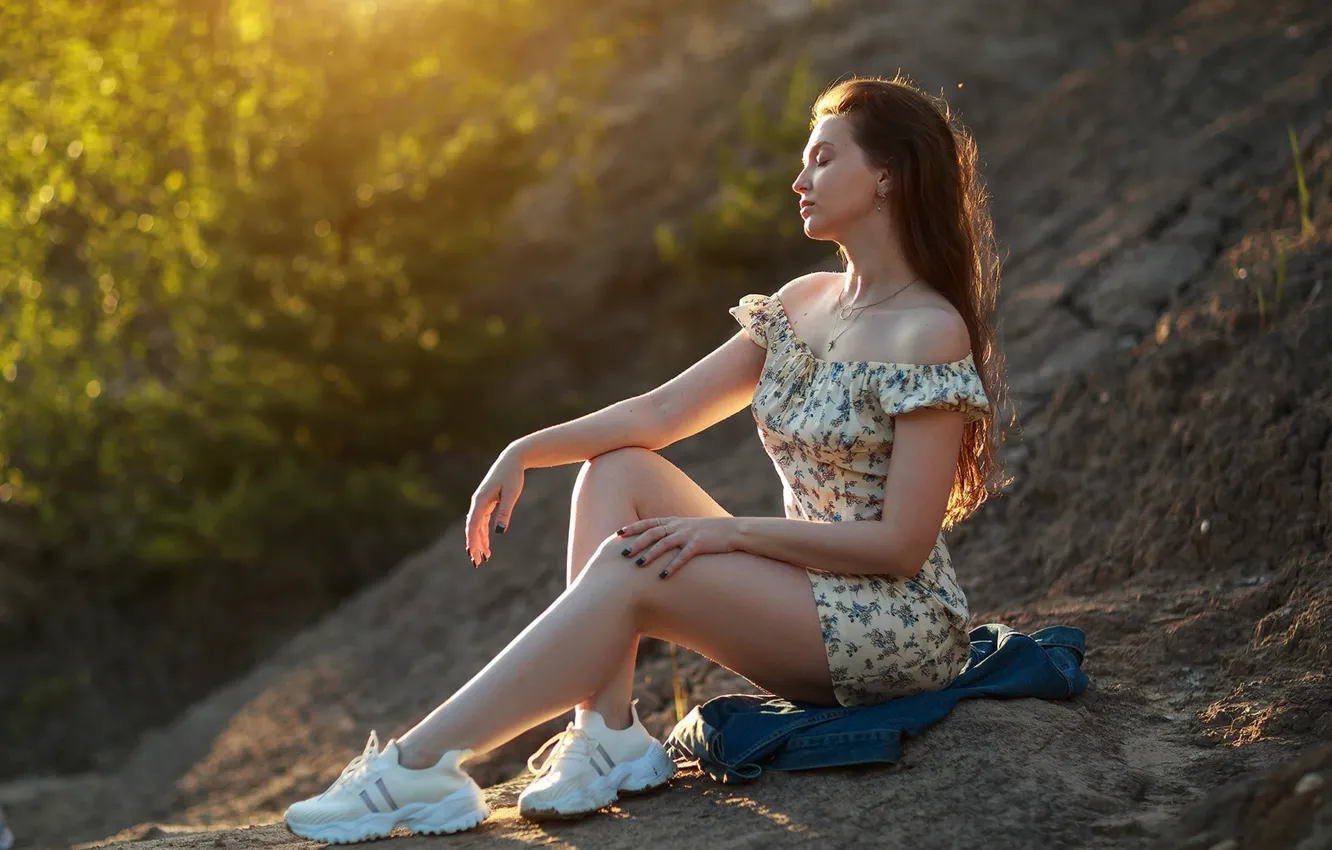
920	477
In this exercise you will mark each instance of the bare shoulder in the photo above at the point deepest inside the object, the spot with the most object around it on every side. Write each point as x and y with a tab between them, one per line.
797	293
935	333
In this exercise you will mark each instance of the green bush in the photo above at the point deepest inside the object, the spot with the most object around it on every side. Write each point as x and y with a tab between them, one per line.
239	247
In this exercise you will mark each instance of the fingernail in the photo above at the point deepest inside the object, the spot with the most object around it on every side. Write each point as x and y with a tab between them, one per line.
661	574
641	561
620	532
625	552
499	528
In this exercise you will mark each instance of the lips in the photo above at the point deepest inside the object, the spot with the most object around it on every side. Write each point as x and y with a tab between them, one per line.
805	206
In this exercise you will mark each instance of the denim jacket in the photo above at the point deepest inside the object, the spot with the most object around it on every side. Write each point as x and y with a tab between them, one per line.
735	737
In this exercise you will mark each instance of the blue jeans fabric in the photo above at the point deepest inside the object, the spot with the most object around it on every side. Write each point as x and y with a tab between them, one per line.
735	737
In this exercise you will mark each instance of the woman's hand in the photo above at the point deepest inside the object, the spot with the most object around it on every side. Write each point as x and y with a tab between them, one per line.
672	541
496	494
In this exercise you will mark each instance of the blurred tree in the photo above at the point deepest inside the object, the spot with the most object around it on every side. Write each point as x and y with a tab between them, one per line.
238	241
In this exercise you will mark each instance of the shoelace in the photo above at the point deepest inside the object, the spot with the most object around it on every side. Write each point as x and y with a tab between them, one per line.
571	743
360	764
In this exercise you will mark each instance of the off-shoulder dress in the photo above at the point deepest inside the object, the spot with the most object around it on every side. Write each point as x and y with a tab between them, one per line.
828	427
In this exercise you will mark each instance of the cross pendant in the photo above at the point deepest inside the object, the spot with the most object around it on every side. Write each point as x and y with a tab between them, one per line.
830	344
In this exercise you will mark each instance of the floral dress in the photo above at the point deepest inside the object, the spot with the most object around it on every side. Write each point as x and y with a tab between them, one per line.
828	427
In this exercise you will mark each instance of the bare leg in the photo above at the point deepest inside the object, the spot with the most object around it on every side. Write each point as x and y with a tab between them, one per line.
749	613
612	491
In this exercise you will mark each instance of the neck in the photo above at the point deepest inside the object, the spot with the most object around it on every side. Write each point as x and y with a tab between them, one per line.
875	266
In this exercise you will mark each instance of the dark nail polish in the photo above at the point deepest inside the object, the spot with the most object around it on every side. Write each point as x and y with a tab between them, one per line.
625	552
499	529
641	561
662	574
620	532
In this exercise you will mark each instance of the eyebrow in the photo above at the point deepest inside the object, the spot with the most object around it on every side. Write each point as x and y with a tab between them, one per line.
814	147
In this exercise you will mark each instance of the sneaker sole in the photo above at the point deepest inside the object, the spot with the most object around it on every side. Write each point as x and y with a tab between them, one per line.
464	809
654	769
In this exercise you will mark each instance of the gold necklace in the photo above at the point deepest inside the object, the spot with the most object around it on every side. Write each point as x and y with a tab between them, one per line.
856	310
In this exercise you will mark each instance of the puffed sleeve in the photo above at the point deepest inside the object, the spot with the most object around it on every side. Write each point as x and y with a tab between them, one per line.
755	313
948	386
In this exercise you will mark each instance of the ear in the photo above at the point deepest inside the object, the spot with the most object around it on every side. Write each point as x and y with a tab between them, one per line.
884	187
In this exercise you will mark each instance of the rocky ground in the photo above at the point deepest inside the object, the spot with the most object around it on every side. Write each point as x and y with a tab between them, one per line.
1172	492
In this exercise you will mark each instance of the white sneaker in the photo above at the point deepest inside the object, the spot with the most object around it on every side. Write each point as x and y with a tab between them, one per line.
375	793
590	766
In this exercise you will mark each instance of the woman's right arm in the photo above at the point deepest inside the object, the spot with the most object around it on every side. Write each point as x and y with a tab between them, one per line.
706	393
637	421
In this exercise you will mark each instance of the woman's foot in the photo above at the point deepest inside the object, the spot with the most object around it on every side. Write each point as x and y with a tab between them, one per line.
591	766
375	793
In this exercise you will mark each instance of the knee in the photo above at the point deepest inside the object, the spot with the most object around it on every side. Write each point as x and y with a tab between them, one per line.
619	466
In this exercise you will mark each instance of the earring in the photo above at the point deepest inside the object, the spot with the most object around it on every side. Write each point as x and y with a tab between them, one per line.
878	202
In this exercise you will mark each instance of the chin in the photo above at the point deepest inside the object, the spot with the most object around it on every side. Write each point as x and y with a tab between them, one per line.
819	232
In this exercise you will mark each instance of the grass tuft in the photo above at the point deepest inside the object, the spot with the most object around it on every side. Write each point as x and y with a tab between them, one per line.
1301	187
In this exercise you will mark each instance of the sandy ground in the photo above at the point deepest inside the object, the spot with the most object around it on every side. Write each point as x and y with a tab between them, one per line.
1172	497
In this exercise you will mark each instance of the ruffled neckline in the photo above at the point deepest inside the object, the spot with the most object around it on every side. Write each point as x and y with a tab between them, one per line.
803	349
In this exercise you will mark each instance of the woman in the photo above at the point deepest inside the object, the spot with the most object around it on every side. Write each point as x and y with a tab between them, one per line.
873	391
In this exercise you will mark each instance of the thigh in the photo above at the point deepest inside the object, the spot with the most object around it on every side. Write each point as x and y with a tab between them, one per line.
751	614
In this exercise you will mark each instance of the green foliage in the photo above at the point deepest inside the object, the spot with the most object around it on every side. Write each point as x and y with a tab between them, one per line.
753	225
1282	242
239	245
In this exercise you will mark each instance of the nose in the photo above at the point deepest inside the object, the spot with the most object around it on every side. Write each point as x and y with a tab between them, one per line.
801	184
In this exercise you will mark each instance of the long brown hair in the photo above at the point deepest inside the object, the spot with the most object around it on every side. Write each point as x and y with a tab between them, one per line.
941	212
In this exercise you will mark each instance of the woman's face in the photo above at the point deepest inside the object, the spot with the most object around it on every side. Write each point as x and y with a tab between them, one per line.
837	185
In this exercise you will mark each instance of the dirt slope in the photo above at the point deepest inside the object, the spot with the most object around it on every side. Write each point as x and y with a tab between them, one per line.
1172	496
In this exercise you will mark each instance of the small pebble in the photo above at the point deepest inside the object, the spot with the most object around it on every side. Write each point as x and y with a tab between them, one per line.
1204	526
1310	783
